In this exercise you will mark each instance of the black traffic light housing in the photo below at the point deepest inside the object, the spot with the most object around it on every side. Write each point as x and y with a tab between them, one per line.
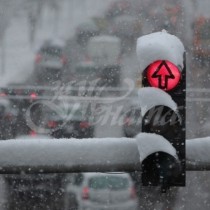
160	168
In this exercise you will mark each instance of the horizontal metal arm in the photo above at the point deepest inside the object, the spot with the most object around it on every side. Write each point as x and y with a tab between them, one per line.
198	154
87	155
68	155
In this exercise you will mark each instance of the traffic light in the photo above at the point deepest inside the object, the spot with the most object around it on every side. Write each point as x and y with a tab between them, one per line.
162	63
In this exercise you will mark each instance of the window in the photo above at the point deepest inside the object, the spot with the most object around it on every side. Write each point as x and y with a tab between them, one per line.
108	182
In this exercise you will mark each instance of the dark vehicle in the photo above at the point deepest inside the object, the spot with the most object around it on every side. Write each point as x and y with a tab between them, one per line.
85	31
8	119
111	75
44	189
132	122
117	8
201	39
87	71
67	120
128	28
50	62
20	99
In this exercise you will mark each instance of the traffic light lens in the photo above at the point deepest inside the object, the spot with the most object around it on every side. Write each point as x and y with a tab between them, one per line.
163	121
163	74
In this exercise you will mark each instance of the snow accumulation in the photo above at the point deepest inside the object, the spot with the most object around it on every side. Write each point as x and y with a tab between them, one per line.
198	150
150	97
4	102
106	38
94	154
159	46
149	143
71	154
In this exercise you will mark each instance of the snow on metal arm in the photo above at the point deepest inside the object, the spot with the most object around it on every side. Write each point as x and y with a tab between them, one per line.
91	155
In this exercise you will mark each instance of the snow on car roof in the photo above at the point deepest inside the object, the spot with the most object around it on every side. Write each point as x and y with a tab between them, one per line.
159	46
125	18
29	137
92	174
85	64
5	102
88	25
54	42
105	38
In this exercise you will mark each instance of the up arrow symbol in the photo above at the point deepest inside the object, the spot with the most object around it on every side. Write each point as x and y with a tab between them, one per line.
163	74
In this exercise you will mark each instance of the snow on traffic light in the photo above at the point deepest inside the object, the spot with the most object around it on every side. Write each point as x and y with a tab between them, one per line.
161	58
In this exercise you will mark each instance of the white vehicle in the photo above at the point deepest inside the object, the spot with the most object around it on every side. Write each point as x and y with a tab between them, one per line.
100	191
104	50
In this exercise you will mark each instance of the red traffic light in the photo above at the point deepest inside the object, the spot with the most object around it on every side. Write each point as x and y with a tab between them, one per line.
163	74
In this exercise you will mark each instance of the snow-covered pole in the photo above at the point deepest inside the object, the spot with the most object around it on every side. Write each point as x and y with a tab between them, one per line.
96	154
68	155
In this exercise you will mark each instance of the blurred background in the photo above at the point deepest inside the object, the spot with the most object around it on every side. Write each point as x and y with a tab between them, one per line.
49	42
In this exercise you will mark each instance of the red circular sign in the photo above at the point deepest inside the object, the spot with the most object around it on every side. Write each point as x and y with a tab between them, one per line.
163	74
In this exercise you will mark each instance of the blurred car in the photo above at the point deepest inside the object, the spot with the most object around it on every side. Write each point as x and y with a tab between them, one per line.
8	119
86	72
128	28
22	99
85	31
33	135
117	8
50	61
100	191
201	39
42	189
67	121
111	76
45	189
105	52
132	122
